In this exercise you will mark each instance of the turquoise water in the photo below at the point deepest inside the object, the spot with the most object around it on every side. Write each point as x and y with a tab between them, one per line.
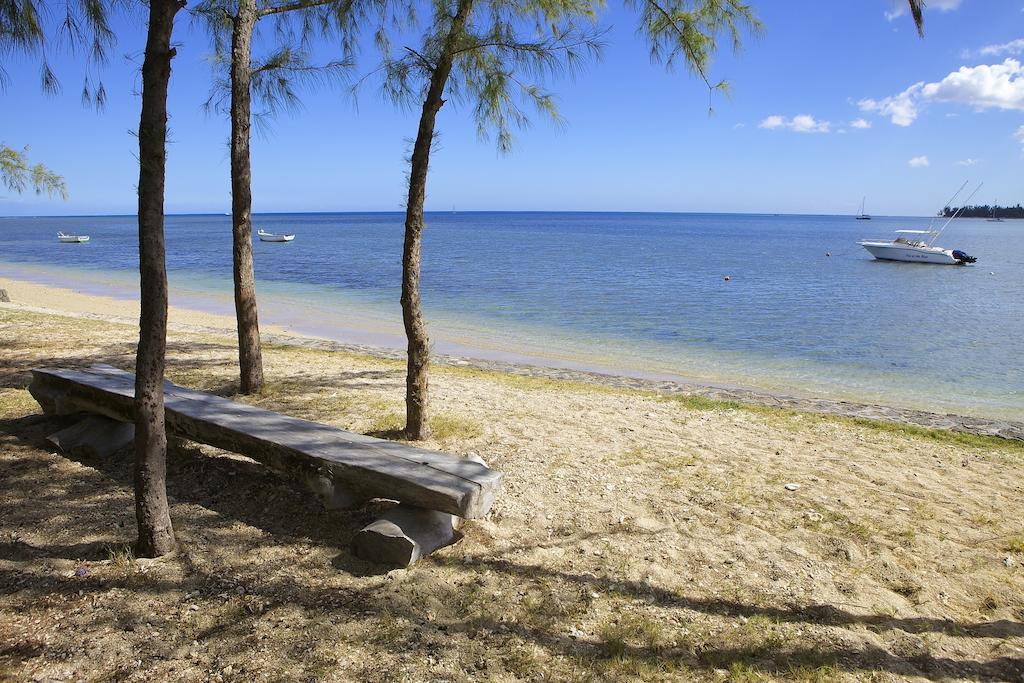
639	294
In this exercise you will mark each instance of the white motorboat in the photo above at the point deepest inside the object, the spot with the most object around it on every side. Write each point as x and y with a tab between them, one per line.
911	246
272	237
72	239
918	246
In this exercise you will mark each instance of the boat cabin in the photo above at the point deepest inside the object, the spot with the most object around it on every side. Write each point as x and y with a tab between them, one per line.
907	237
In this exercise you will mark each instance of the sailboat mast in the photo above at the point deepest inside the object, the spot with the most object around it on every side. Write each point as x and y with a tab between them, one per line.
956	214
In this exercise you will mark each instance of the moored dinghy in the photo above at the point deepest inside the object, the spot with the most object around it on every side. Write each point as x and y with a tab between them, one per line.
274	237
72	239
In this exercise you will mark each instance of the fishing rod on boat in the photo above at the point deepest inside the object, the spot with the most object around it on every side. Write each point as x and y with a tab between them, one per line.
960	209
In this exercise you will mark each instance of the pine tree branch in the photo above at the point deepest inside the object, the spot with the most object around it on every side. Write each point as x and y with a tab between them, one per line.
299	4
694	60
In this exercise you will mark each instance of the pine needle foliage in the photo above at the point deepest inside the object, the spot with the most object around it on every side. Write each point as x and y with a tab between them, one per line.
32	27
278	76
17	174
917	11
277	80
499	60
689	32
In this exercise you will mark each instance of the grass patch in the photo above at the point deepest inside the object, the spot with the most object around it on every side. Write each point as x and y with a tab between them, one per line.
388	423
797	420
744	673
122	559
984	519
620	634
816	674
545	607
941	435
448	426
840	524
704	404
632	456
16	403
532	382
1014	545
293	350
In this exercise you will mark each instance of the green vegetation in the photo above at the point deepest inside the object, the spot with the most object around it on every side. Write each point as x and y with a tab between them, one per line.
16	402
807	420
1014	545
620	633
985	211
17	174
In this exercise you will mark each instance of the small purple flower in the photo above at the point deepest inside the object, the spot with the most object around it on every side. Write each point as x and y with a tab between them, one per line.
81	571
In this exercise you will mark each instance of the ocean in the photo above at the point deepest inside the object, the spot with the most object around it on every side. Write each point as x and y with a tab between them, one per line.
805	311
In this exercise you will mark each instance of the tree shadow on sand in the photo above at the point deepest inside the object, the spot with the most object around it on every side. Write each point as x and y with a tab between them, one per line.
238	490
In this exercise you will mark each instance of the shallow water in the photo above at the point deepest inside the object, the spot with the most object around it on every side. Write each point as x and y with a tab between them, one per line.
639	294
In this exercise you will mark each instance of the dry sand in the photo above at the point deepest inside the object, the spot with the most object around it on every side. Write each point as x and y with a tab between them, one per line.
637	537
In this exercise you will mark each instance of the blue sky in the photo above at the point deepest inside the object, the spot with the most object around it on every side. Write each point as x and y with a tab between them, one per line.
834	101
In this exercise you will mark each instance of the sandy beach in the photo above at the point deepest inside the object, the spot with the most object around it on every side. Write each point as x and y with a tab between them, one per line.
639	536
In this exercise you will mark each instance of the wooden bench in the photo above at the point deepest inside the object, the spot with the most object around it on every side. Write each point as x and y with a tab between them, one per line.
343	468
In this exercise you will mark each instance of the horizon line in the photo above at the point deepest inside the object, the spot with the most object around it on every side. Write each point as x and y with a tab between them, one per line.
470	211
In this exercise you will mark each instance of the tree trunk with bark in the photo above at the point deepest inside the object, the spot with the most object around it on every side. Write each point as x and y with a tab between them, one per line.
250	358
156	536
416	426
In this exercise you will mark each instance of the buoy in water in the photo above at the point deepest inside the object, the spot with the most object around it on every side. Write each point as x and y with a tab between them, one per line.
828	253
726	278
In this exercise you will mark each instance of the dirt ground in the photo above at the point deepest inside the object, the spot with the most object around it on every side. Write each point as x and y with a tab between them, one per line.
637	537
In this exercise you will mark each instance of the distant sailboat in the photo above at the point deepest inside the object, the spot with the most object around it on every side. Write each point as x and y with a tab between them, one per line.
863	216
993	218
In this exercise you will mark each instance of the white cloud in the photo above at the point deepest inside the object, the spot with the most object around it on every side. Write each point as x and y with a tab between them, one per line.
986	86
967	162
737	126
1019	135
1014	47
860	123
899	7
801	123
918	162
901	109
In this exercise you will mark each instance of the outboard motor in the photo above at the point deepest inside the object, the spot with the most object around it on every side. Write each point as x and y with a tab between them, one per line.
962	258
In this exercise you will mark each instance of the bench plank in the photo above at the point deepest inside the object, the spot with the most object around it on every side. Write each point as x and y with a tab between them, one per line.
302	450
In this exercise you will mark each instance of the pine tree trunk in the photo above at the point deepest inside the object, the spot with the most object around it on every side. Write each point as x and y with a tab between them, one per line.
250	359
416	413
156	536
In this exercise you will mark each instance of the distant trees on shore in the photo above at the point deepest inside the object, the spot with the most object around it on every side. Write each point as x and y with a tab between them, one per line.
985	211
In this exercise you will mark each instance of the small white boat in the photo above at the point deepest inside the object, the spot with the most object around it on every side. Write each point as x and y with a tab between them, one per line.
72	239
918	246
910	246
272	237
